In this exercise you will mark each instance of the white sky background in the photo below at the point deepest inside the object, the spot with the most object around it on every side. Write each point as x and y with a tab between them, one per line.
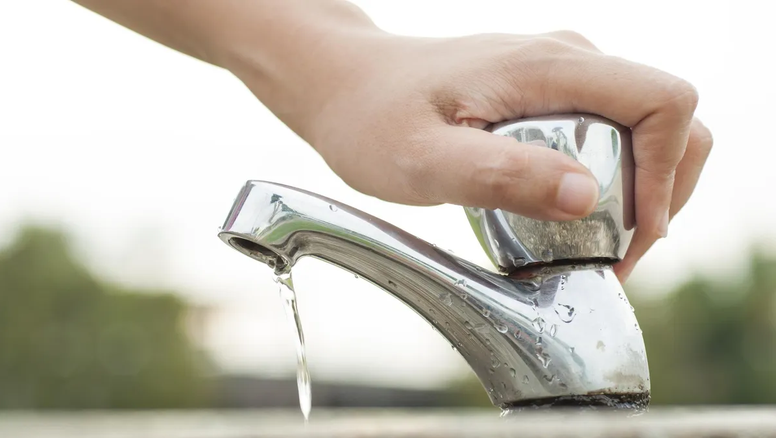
140	152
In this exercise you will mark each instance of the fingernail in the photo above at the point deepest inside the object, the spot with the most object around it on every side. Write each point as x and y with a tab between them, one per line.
577	194
662	226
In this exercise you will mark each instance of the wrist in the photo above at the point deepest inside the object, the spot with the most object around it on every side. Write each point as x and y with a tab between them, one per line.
302	59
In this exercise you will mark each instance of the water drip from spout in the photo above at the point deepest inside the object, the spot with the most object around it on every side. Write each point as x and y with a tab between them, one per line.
288	296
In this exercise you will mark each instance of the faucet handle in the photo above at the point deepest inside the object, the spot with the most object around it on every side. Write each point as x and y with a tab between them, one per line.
603	146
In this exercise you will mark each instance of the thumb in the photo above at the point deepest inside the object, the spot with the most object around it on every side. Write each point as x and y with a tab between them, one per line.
475	168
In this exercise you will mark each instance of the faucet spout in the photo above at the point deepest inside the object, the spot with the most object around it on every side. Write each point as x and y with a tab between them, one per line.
543	333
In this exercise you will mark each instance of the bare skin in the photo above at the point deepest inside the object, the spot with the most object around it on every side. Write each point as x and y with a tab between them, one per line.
401	118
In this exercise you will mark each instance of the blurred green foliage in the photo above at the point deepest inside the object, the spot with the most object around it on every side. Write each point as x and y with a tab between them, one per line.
711	342
708	342
70	341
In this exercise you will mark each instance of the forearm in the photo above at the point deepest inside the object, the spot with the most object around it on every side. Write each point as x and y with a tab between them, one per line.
287	51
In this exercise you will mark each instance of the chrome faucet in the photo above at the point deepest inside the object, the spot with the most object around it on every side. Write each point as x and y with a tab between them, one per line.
551	327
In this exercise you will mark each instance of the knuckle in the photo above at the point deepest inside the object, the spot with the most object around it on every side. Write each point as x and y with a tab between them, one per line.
572	37
679	95
415	180
501	175
415	167
542	46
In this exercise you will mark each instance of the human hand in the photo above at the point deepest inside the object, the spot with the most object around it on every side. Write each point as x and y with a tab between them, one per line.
402	119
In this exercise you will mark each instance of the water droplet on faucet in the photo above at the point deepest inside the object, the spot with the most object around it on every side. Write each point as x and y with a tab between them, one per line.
526	380
494	362
553	330
461	283
565	313
531	285
501	327
539	324
446	299
468	325
518	262
486	313
512	372
547	255
333	208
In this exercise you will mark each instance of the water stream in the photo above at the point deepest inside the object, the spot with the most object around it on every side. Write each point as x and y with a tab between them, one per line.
288	296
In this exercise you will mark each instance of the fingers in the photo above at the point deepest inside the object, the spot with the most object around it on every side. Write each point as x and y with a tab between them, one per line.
471	167
688	173
657	106
689	170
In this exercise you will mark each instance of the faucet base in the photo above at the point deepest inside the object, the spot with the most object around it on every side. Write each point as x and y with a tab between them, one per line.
631	402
